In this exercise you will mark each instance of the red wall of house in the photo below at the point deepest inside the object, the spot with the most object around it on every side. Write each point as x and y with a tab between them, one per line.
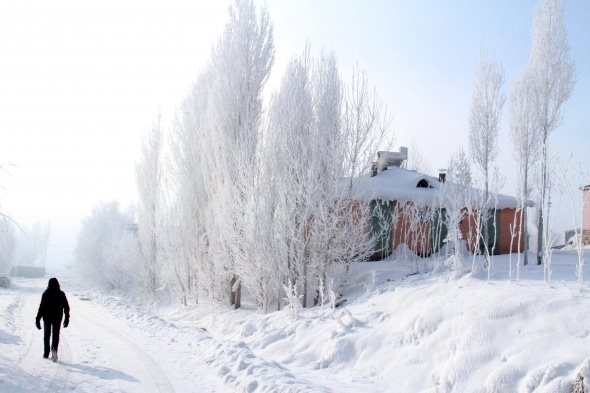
586	209
468	228
419	238
586	215
506	219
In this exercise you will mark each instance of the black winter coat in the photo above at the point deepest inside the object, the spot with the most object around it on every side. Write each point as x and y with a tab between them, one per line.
53	304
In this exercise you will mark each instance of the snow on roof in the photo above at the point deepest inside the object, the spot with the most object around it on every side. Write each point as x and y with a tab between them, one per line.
402	185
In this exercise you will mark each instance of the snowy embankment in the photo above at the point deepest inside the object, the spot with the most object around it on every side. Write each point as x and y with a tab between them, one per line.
231	361
397	332
430	333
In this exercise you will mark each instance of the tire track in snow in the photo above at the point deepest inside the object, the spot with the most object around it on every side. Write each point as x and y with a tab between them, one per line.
11	317
161	381
22	302
62	374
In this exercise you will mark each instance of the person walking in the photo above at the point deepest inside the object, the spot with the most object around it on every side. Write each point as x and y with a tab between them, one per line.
54	304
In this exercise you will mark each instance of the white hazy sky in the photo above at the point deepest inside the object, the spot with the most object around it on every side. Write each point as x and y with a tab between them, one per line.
80	81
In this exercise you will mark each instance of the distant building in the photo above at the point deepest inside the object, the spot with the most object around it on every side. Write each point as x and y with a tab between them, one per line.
570	235
586	214
27	271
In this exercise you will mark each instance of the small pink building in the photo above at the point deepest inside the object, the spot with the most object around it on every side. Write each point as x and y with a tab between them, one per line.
586	214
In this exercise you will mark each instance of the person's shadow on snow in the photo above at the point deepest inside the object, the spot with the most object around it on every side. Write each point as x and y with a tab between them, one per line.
100	372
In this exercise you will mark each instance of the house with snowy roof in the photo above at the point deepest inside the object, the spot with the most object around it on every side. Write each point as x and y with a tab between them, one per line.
414	209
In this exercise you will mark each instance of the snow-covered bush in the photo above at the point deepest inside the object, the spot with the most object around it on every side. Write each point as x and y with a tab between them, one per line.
292	301
31	245
107	251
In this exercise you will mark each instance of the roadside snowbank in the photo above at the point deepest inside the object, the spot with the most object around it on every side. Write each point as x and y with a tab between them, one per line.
232	361
400	332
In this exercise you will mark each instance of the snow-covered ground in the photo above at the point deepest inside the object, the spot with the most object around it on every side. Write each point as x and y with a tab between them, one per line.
98	352
397	332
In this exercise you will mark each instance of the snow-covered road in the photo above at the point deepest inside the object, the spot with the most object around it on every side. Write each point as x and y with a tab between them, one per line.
98	352
111	346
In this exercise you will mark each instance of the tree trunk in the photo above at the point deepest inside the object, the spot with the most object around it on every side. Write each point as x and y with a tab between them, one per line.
235	297
540	235
238	296
485	226
304	298
523	217
152	267
232	294
542	201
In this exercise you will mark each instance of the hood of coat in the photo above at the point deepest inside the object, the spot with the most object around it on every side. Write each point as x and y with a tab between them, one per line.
53	284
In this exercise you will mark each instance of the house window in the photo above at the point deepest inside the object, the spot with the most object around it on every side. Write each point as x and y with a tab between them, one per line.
423	184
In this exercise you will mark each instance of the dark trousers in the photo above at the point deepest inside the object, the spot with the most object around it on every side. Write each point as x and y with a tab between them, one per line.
48	328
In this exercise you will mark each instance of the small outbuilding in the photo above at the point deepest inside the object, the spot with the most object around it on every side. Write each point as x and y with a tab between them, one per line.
27	271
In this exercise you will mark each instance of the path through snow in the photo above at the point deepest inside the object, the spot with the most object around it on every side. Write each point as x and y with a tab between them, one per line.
112	347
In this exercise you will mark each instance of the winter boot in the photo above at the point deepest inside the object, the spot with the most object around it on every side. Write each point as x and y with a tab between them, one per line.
54	355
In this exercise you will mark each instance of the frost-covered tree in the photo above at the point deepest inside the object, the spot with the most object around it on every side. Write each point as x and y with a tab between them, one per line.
263	207
366	124
416	159
325	248
149	174
107	249
459	170
296	171
260	266
525	142
485	115
484	123
187	264
454	193
338	234
291	130
31	245
216	142
550	214
7	244
497	183
319	228
567	179
241	64
180	250
554	78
